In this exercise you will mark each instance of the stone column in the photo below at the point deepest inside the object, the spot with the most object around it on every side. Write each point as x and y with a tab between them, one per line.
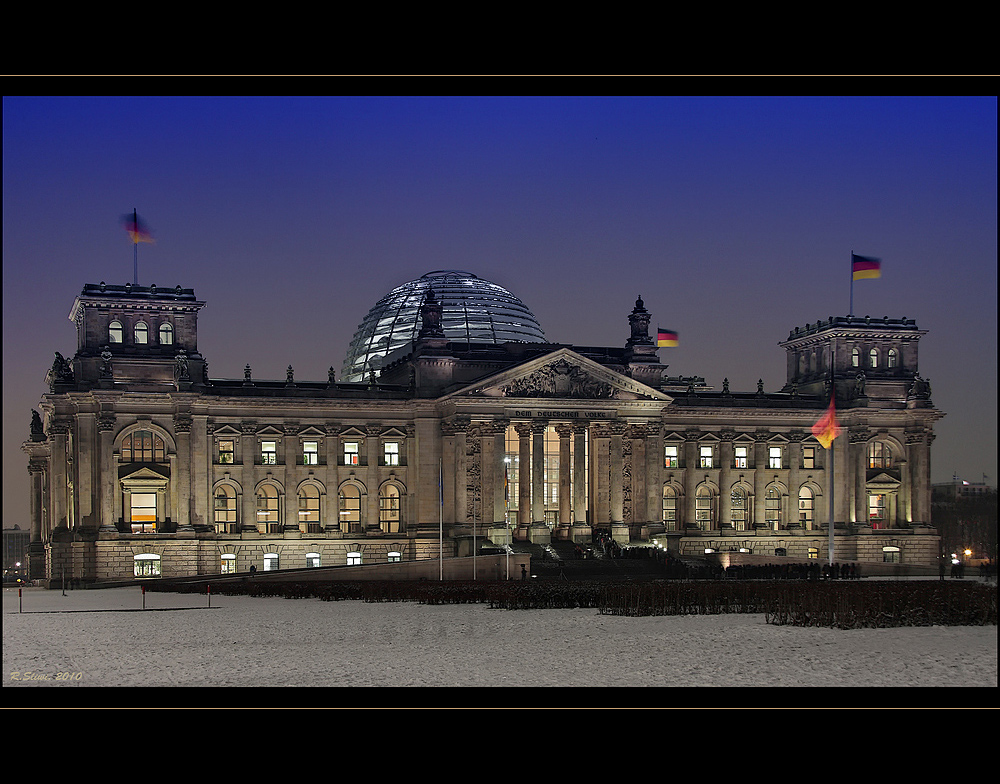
616	490
201	475
181	476
760	476
726	458
581	528
857	476
918	446
331	509
371	474
492	476
248	448
654	478
600	457
539	532
690	476
523	478
108	475
794	469
58	502
565	482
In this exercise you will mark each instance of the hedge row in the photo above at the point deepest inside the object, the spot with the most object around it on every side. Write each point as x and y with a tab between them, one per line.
844	605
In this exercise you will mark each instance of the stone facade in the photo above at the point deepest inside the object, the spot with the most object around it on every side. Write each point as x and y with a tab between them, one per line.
142	464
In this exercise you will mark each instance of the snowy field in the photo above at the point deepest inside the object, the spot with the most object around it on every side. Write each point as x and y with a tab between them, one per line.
106	638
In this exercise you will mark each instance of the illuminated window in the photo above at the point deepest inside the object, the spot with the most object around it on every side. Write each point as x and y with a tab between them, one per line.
670	459
774	457
271	562
142	512
669	508
228	564
704	508
225	509
772	508
227	450
395	556
141	333
706	457
166	334
115	332
855	358
267	507
143	446
742	458
890	554
879	455
309	507
352	453
876	510
312	560
388	509
739	505
873	357
350	508
310	453
892	358
812	552
808	457
354	559
269	452
806	504
146	565
390	453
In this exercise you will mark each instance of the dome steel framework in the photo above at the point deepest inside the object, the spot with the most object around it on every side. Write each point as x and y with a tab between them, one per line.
474	310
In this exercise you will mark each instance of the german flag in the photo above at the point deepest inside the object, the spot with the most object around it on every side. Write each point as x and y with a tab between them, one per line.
136	229
863	267
666	337
826	428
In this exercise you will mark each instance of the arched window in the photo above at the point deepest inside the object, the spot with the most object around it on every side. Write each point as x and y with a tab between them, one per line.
115	332
267	508
309	508
141	333
225	509
166	334
388	509
350	508
669	508
772	508
143	446
879	455
739	504
855	358
806	507
892	358
704	508
395	556
873	358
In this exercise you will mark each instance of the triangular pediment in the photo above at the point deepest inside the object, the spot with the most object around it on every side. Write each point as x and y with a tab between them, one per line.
883	482
561	374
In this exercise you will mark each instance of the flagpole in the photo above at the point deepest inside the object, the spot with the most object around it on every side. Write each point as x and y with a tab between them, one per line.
833	484
850	311
440	519
135	248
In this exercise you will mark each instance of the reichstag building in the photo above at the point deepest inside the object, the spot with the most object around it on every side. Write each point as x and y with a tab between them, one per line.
454	424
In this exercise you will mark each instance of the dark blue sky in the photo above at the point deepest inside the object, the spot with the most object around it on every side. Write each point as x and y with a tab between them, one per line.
733	217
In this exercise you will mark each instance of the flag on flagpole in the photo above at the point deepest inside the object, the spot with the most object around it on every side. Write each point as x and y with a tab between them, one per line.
826	428
137	229
863	267
666	337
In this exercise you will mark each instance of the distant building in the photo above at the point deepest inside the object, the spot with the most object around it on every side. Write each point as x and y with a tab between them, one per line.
15	549
455	418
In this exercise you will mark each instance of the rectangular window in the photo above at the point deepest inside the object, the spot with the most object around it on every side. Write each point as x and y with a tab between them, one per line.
390	450
706	457
310	453
670	459
876	510
742	459
808	457
352	453
143	512
227	451
269	452
774	457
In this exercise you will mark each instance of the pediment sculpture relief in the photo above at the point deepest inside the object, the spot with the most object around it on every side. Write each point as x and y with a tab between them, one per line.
560	379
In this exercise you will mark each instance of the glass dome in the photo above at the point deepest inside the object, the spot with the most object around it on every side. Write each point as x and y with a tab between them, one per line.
472	310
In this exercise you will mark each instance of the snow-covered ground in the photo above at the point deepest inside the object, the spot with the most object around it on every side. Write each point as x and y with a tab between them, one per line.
106	638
